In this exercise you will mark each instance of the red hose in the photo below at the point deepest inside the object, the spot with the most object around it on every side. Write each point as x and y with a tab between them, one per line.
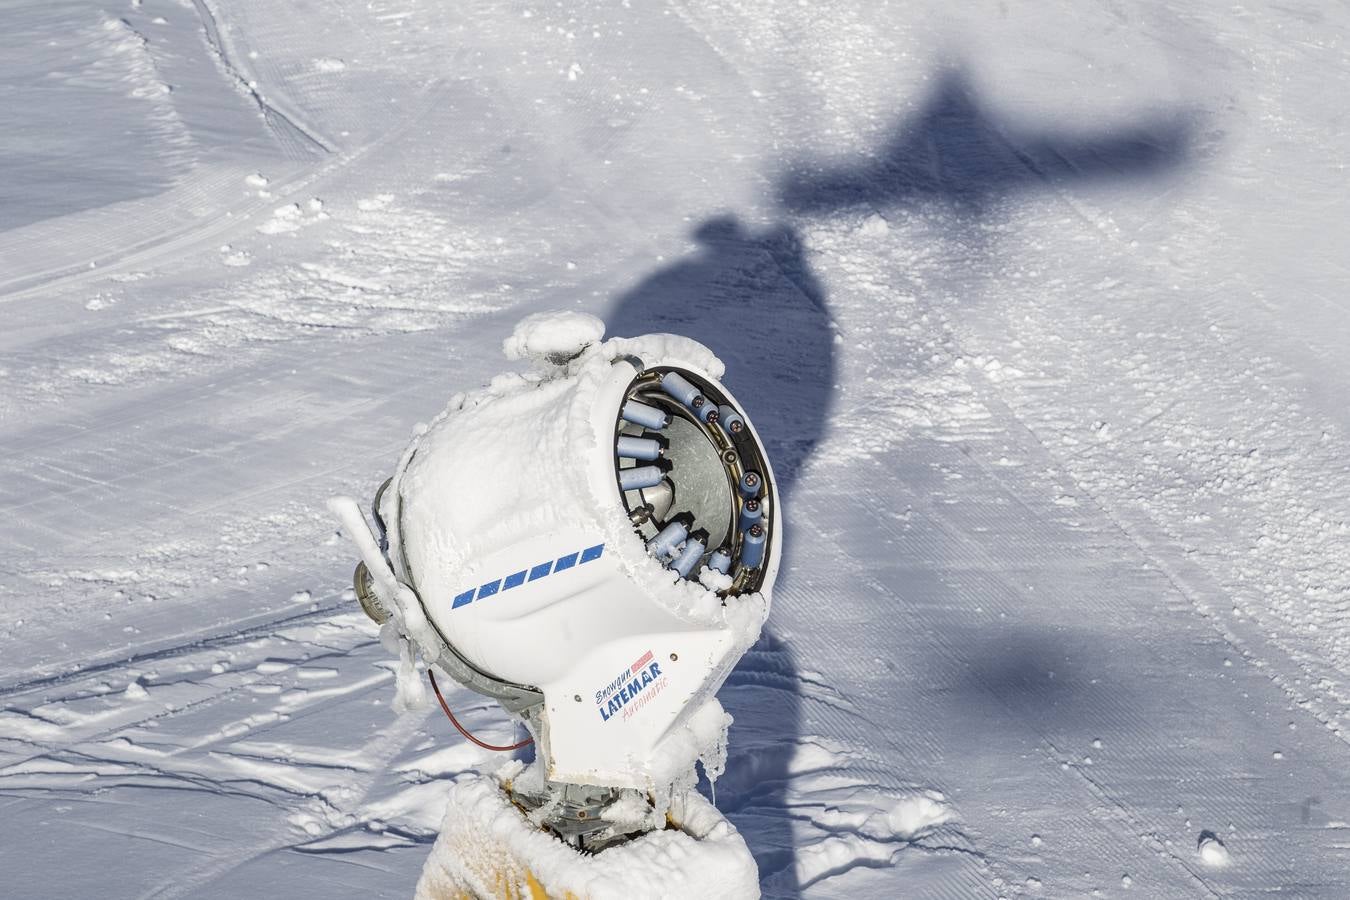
462	730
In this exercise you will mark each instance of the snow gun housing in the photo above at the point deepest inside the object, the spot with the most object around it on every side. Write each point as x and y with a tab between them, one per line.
592	544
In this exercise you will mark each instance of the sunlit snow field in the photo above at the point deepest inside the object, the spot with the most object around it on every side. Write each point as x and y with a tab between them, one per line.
1040	307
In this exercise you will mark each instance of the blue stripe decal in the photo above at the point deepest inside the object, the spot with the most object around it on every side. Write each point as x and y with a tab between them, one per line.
534	573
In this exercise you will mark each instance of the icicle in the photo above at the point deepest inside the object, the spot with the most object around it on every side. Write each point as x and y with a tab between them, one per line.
410	695
714	725
389	637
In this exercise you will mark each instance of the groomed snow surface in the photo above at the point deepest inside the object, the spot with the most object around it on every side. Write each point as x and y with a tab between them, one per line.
1039	307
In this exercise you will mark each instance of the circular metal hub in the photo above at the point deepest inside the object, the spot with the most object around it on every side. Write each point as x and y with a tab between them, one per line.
694	479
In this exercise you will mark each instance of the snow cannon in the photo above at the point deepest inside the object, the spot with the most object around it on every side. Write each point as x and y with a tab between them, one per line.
592	543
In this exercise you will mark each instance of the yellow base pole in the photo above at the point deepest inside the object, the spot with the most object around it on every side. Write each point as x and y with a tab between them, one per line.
489	850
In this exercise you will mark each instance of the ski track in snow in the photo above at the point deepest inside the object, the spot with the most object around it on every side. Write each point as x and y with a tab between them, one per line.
249	718
1048	349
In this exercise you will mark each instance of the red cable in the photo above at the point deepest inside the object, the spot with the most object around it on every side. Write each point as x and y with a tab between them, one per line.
462	730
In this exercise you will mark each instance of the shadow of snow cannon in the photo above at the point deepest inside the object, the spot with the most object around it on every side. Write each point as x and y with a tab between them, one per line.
956	152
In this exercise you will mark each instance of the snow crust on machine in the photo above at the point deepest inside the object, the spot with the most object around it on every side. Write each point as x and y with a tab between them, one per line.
554	336
485	839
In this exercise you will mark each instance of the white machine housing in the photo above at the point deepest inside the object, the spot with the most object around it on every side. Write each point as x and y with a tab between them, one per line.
507	521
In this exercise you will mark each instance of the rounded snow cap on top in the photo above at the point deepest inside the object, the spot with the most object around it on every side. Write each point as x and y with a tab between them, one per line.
555	336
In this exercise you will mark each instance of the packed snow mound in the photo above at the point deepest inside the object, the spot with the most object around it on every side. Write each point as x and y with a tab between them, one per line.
485	840
1212	851
554	336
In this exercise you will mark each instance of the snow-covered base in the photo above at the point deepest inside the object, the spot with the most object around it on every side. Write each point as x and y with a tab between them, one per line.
488	848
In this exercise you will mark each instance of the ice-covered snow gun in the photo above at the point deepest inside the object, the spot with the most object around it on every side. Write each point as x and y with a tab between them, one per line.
591	543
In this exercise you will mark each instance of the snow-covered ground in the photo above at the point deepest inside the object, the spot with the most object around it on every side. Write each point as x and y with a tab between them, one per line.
1040	307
